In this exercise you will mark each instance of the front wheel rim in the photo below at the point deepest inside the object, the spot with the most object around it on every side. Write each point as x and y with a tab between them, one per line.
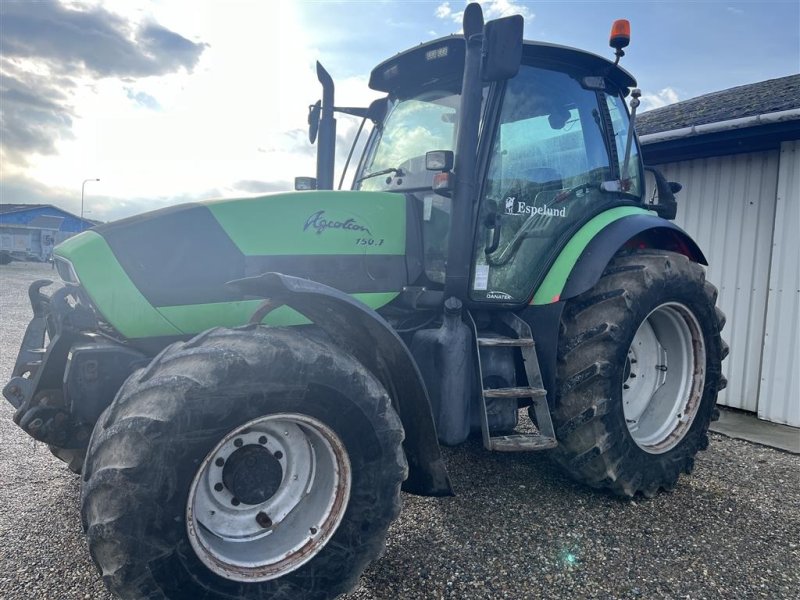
268	497
663	378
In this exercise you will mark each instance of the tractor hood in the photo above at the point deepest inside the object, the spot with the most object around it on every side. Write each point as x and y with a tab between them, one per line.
164	273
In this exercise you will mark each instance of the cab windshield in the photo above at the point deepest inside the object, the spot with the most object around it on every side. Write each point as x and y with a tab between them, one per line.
412	127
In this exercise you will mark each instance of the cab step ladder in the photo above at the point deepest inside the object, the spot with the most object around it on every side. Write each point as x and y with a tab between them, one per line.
545	437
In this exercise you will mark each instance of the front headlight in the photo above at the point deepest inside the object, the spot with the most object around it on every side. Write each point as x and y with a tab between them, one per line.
66	271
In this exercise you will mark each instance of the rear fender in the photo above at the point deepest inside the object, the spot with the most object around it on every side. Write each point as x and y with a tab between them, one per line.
371	340
634	232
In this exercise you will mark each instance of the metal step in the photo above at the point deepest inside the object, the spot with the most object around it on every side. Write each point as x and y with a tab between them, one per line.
505	342
514	392
545	437
522	442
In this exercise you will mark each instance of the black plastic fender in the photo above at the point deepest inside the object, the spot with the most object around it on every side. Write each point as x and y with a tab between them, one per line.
363	333
639	231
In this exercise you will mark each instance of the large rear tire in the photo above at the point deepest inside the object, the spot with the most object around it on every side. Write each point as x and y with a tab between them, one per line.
248	463
639	369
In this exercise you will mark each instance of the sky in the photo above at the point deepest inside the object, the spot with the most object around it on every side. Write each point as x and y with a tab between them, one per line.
170	101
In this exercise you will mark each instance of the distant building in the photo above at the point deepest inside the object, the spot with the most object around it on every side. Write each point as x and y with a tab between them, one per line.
29	231
737	154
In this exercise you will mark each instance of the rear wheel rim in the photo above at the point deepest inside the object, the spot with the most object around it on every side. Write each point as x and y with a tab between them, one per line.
294	477
663	378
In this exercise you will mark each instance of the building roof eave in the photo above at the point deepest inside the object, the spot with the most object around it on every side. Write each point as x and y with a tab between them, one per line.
720	126
749	134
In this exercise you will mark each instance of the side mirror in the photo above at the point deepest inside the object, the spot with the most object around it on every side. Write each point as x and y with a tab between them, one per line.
305	184
439	160
313	120
377	110
502	48
667	205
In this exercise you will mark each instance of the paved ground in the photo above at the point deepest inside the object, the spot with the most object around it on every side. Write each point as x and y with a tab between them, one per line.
746	426
517	529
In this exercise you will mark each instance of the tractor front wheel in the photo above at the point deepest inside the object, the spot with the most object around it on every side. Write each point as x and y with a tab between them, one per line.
639	372
249	463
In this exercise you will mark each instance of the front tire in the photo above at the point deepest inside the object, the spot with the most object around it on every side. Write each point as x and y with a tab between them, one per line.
639	368
249	463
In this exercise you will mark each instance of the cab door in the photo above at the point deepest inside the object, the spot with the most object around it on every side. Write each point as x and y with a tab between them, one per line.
554	144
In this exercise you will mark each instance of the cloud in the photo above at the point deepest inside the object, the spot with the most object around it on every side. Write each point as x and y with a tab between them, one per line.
35	111
254	186
666	96
492	9
96	40
22	190
142	99
443	11
17	189
51	52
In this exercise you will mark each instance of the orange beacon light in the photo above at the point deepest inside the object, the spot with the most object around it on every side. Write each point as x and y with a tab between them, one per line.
620	34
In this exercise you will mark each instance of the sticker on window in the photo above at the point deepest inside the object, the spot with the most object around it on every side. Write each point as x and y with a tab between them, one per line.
522	208
481	278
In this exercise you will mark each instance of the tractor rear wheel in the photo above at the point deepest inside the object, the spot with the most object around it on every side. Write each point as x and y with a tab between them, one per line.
248	463
639	372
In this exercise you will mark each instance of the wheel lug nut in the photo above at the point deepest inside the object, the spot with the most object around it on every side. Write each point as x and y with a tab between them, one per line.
218	487
278	455
263	519
219	462
262	440
235	501
238	442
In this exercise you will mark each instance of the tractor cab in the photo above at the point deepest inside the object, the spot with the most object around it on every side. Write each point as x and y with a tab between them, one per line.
550	153
552	147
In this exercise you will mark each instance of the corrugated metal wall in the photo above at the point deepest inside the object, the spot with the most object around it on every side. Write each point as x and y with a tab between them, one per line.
779	397
728	206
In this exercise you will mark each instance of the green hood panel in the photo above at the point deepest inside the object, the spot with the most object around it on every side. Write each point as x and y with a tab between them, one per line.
322	222
164	273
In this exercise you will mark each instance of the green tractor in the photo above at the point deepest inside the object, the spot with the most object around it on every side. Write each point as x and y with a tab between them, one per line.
246	385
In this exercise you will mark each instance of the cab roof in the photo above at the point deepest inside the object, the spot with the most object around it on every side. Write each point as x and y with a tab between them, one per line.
444	59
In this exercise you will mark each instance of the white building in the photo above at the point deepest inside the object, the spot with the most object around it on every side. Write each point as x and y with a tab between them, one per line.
737	154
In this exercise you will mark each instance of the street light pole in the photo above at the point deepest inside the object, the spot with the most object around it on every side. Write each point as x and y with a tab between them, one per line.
83	185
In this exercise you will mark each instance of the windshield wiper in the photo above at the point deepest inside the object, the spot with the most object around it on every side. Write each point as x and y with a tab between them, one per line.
399	173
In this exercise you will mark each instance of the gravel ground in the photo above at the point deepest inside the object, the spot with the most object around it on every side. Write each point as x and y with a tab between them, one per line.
518	528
